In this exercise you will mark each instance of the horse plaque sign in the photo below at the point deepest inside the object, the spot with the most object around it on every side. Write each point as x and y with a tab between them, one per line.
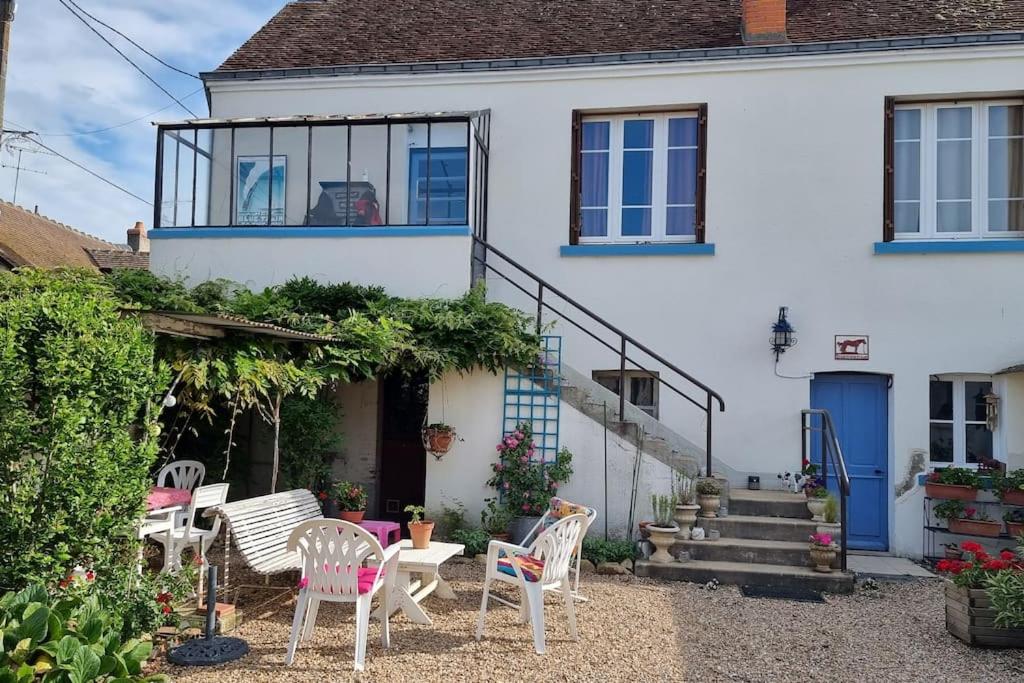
851	347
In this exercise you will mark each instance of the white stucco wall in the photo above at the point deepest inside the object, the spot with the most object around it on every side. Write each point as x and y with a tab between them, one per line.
794	205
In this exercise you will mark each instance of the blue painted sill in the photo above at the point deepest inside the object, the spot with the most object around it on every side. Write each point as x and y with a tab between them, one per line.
377	231
637	249
949	246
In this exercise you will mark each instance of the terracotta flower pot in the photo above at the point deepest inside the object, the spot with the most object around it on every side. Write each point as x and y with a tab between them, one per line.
439	441
354	516
822	558
950	491
504	537
975	527
1015	529
420	533
662	537
1015	497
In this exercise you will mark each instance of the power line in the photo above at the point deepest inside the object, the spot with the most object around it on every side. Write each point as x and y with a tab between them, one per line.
125	57
142	49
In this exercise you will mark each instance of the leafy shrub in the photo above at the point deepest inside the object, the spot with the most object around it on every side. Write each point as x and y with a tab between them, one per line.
308	434
598	550
77	426
71	639
955	476
1006	483
525	484
475	540
709	487
450	520
950	509
496	518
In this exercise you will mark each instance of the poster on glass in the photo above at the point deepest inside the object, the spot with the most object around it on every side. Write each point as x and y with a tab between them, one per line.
260	190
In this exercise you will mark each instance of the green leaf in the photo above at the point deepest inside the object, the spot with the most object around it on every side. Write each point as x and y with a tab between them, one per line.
25	673
35	623
66	649
32	593
91	629
54	627
21	651
84	666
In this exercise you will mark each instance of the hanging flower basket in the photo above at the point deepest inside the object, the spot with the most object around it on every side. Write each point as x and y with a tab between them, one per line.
438	438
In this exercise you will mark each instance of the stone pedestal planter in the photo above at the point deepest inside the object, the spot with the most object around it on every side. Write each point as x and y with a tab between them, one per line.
950	491
709	505
832	530
662	537
817	508
970	617
822	558
685	517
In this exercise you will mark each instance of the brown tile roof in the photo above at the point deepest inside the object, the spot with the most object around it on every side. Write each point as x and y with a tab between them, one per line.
119	259
30	239
321	33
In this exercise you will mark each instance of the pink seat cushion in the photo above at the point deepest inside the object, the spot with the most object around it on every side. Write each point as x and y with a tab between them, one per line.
165	497
364	578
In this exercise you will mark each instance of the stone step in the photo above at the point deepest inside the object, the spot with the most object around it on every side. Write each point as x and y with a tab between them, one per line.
755	551
744	574
764	528
768	504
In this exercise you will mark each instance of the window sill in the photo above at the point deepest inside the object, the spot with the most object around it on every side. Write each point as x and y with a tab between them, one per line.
688	249
232	232
948	246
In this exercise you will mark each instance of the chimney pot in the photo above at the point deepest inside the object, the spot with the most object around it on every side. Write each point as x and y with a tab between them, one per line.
137	238
764	22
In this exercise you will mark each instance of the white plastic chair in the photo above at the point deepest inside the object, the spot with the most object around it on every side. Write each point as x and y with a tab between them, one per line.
333	553
546	568
184	474
547	519
187	535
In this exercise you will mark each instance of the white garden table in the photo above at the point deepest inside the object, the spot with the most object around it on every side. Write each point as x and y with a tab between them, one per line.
419	576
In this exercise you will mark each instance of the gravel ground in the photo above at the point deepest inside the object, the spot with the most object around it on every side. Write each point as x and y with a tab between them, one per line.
636	630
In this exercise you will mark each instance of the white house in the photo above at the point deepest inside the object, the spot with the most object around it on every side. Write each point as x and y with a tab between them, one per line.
682	169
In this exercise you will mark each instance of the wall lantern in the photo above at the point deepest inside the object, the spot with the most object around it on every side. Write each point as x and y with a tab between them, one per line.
991	411
783	334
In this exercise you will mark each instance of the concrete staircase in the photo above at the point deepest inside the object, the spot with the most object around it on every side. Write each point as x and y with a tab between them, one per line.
763	542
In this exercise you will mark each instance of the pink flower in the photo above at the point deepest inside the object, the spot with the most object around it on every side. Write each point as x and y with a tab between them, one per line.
524	459
506	486
303	582
519	435
500	447
512	443
526	508
499	467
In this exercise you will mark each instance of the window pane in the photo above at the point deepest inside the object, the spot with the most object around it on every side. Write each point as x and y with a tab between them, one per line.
908	124
955	122
940	399
680	220
641	391
954	170
638	134
908	217
636	178
595	223
1006	120
1006	215
594	179
979	443
1006	168
974	400
953	217
609	380
446	188
907	180
682	176
940	442
595	135
682	132
636	222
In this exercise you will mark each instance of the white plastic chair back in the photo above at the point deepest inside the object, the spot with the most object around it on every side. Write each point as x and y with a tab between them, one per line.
557	545
545	522
204	497
183	474
332	551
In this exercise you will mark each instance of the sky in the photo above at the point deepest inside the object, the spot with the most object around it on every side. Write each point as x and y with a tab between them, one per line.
64	82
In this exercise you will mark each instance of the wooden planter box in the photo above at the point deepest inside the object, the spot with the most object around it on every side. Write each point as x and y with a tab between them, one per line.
970	617
950	491
975	527
1015	529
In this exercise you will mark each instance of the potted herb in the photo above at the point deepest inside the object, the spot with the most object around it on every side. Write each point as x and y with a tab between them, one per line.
709	498
823	552
1010	488
351	501
980	597
663	529
686	509
953	483
830	515
419	528
967	520
1014	522
438	438
495	520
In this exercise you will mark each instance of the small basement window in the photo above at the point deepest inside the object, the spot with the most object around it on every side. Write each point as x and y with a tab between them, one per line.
642	387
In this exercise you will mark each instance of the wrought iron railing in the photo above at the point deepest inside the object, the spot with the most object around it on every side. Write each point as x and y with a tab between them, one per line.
623	345
830	452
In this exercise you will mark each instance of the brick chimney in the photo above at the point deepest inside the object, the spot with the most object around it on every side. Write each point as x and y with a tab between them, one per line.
137	238
764	22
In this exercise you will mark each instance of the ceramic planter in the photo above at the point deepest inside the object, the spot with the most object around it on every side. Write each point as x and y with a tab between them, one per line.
1015	529
822	558
1015	497
975	527
354	516
817	508
662	537
420	533
970	617
685	517
709	505
438	441
520	527
950	491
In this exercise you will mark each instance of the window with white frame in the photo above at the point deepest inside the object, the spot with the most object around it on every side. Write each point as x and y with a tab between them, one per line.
958	430
639	178
958	170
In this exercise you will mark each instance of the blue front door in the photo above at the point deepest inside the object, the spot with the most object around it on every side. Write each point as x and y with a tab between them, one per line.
859	408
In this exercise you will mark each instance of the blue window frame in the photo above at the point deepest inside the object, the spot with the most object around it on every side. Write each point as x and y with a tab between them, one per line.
448	188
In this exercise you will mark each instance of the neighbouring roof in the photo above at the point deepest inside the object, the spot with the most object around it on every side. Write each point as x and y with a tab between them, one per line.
119	259
30	239
203	326
326	33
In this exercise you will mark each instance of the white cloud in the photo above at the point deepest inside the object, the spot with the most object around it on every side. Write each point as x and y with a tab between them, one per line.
62	78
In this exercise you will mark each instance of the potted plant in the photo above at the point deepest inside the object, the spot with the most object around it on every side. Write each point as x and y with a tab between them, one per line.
823	552
438	438
1010	488
419	528
525	484
709	497
351	501
964	520
1014	522
981	596
686	510
495	520
953	551
663	530
830	515
952	483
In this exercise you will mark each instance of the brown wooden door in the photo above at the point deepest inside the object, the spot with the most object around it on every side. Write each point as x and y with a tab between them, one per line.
403	461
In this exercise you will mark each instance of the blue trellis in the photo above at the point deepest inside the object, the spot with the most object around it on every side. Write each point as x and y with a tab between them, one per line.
533	395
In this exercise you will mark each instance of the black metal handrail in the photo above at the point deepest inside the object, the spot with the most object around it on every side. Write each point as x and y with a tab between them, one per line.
479	255
830	450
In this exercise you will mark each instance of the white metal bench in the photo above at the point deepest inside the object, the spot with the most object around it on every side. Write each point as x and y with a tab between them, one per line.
261	527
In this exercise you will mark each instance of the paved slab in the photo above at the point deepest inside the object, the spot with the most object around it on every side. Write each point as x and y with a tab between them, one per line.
885	566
